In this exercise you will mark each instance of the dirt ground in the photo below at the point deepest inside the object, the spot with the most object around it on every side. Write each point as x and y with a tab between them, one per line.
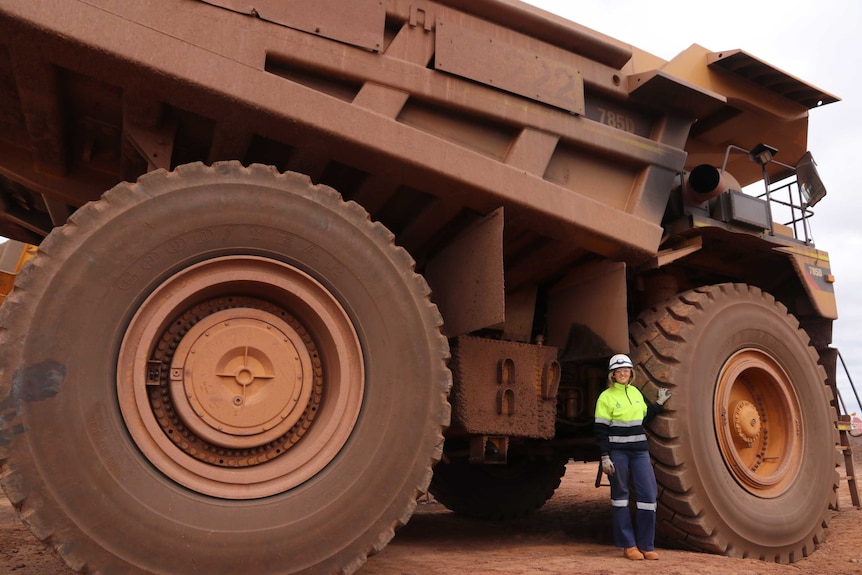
570	534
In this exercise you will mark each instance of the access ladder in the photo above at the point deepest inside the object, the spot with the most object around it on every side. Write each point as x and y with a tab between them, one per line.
844	424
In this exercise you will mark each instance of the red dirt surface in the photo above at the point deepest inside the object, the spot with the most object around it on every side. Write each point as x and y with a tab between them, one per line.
570	534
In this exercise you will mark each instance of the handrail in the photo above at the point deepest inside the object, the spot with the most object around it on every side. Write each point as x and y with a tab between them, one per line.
800	212
852	386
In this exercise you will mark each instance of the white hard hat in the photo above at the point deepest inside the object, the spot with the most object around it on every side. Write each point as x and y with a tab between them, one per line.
618	361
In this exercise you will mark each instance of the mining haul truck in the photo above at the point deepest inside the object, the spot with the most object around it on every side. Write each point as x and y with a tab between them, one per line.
300	262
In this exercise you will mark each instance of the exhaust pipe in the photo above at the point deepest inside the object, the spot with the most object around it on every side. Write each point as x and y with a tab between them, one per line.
705	182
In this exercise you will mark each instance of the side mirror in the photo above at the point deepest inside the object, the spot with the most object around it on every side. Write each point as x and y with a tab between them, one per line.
810	184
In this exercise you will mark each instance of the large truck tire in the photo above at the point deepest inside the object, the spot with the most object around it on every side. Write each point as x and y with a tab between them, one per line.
497	491
220	370
744	450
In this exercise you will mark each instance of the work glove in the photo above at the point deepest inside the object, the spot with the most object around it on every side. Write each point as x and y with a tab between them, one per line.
663	395
608	465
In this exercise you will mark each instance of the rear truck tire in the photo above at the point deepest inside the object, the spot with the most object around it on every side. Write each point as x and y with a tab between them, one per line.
744	450
220	370
498	491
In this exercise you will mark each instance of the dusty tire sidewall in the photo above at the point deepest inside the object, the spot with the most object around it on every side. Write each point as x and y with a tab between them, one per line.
76	442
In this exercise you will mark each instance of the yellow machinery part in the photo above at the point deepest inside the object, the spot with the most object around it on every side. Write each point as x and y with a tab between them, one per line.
13	256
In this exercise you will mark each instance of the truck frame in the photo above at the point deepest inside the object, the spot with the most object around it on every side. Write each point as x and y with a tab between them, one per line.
300	262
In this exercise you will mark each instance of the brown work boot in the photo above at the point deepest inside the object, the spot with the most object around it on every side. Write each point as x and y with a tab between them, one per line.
632	553
651	555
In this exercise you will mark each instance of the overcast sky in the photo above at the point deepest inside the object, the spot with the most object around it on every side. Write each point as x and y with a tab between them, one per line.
817	42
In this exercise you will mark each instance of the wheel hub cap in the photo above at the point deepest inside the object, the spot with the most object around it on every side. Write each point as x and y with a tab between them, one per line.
747	422
757	423
240	396
241	378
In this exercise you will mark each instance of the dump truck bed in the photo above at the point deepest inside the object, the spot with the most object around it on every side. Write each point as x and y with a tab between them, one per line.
421	135
473	106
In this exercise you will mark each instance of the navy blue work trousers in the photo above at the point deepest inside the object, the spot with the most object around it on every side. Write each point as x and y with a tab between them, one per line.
637	466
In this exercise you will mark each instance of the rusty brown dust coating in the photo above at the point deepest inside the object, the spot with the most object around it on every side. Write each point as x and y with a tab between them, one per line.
264	226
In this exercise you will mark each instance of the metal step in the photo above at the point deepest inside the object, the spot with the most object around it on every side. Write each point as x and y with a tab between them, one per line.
844	426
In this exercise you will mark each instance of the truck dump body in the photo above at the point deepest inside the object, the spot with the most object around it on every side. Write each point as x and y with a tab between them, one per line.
303	169
129	76
292	95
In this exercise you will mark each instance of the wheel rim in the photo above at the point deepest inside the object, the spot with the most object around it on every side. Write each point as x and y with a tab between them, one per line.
240	377
758	423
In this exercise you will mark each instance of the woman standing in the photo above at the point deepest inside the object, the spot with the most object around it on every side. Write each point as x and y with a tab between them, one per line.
621	412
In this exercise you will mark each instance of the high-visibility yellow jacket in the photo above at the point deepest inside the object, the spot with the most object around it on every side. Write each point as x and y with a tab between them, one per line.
621	412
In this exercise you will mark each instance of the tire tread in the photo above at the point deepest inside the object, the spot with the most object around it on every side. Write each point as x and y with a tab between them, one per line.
63	241
656	336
